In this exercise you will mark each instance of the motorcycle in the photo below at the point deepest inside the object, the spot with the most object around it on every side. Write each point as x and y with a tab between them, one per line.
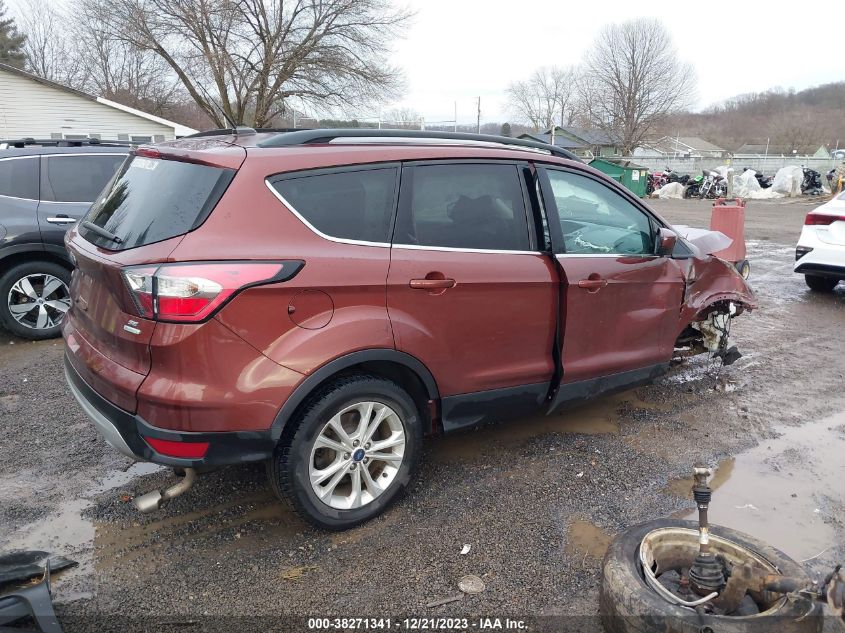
812	183
764	182
713	186
693	186
656	180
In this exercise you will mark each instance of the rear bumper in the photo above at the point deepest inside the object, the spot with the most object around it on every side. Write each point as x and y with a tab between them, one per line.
125	432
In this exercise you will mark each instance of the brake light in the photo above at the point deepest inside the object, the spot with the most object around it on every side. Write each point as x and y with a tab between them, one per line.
189	293
822	219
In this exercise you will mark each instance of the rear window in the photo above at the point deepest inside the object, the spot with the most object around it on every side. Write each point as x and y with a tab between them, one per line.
352	204
150	200
19	177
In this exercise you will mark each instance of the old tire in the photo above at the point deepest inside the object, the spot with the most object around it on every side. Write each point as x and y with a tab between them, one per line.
628	605
303	456
35	310
820	284
743	268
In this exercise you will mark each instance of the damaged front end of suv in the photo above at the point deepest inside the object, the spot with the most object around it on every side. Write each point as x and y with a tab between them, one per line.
714	294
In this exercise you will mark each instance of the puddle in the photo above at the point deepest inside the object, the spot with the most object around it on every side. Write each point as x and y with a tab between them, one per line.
601	416
585	539
787	491
66	531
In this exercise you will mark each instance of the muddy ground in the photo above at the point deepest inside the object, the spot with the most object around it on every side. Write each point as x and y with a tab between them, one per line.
536	499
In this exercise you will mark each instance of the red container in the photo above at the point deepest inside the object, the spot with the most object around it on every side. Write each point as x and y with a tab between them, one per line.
728	216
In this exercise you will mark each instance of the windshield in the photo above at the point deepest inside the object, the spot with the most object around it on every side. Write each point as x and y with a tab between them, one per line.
150	200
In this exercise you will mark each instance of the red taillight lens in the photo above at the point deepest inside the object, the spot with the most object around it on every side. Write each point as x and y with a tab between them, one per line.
186	450
822	219
191	292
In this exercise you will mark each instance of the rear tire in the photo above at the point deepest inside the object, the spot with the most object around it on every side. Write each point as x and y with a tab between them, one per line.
29	293
306	452
743	268
820	284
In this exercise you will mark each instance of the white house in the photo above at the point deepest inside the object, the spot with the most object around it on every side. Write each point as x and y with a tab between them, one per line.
32	107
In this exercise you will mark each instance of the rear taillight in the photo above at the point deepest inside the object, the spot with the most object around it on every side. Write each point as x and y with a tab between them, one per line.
816	219
189	293
185	450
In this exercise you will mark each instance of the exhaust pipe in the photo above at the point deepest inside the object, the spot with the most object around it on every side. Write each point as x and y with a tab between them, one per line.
154	500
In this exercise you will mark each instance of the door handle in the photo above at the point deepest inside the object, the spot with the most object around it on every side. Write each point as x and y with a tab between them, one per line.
432	284
592	285
61	219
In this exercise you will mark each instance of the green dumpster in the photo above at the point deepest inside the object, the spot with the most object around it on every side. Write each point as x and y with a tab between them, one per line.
630	175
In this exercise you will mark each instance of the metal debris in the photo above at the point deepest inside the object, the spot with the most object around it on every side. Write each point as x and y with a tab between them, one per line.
471	584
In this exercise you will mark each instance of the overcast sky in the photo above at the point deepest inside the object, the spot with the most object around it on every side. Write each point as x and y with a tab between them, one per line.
459	49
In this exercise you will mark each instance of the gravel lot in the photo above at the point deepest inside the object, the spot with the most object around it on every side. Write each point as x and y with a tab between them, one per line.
537	499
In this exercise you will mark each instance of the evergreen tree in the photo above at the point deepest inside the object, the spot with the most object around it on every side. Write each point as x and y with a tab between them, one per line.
11	41
506	129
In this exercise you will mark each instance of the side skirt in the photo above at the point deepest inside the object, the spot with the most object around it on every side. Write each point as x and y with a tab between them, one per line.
474	409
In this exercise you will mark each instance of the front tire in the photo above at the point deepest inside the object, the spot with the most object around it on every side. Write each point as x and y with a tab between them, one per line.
34	297
820	284
353	448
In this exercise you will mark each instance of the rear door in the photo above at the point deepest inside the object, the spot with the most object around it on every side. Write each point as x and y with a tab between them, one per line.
621	300
468	292
70	184
19	201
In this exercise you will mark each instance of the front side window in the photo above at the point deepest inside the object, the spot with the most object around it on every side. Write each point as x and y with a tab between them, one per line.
464	206
19	177
77	178
351	205
595	220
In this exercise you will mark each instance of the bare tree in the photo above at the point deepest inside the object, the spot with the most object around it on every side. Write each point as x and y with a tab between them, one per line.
47	47
403	119
546	98
633	80
246	61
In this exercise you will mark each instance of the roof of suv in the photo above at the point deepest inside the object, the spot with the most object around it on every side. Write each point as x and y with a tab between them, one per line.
37	150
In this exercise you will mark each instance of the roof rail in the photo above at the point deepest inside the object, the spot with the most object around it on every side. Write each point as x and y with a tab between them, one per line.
307	137
244	131
62	142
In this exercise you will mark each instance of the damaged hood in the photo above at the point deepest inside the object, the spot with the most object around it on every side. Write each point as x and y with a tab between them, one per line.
703	241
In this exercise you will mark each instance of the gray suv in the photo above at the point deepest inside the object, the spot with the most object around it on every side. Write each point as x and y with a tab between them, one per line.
45	187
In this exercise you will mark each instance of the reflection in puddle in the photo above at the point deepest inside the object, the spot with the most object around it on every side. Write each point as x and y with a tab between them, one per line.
586	539
786	492
600	416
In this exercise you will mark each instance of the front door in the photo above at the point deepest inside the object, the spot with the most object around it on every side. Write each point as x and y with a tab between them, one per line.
621	300
468	292
70	183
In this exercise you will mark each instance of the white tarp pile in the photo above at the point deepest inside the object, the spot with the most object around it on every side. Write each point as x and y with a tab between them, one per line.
745	185
787	181
670	190
704	240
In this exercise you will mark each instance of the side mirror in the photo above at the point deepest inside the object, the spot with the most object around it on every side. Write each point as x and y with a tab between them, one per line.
666	239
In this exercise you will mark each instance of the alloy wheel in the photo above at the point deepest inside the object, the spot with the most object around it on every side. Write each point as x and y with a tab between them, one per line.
357	455
39	301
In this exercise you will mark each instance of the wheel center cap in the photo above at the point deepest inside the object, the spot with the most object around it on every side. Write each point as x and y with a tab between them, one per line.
40	302
359	455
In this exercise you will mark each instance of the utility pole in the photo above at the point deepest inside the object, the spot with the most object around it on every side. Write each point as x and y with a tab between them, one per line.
294	118
478	125
455	128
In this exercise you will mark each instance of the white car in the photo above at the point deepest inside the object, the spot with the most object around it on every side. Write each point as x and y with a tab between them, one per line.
820	254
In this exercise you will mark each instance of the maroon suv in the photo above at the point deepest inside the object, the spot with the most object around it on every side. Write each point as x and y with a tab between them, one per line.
323	299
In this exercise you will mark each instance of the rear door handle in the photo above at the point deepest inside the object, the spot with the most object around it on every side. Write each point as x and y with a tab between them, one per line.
432	284
61	219
592	285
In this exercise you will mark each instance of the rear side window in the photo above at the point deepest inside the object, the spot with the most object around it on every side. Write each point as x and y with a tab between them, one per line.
19	177
352	205
150	200
470	206
77	178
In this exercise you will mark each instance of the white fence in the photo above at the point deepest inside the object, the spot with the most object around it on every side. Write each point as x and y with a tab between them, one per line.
767	165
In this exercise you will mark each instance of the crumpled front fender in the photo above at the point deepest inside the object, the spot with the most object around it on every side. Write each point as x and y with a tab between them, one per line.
710	280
